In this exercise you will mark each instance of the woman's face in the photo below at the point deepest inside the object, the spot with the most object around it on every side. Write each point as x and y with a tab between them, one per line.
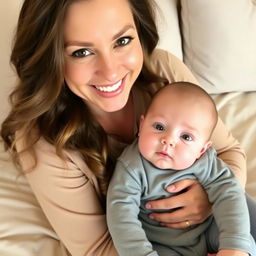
103	54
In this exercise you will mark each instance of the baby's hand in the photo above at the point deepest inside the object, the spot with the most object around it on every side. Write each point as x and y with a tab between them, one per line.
227	252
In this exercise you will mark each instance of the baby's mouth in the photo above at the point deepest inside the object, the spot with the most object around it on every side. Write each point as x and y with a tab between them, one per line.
164	154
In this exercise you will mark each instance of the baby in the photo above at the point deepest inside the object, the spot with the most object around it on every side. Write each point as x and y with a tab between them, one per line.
173	144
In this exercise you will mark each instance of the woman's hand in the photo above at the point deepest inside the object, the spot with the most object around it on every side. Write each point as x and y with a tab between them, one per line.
226	252
194	206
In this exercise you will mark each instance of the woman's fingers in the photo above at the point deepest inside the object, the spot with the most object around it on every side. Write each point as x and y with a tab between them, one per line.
174	217
191	206
165	219
166	203
183	224
173	201
180	185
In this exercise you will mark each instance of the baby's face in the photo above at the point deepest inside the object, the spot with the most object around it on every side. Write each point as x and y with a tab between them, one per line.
173	135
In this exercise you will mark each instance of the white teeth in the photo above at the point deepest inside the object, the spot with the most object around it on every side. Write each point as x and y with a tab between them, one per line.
109	88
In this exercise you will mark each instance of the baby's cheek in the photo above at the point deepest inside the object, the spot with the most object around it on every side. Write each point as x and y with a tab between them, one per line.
146	150
146	143
187	159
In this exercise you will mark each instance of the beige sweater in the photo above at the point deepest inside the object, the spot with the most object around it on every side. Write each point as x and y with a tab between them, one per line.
69	193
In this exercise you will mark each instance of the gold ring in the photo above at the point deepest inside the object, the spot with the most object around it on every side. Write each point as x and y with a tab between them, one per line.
187	223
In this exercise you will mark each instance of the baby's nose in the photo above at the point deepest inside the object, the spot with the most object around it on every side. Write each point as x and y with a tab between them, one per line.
168	141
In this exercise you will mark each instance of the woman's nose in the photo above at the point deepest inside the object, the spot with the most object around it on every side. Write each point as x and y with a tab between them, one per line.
107	67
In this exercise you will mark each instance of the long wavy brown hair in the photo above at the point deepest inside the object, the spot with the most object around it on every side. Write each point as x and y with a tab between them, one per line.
41	102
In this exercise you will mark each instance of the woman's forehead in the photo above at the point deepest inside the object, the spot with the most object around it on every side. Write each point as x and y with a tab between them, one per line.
97	16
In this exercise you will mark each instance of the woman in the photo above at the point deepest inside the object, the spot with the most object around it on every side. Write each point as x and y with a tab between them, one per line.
87	71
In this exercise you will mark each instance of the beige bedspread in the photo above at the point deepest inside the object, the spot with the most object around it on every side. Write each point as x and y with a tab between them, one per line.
238	112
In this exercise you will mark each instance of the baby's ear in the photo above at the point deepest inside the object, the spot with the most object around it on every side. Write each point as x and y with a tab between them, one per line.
206	146
141	122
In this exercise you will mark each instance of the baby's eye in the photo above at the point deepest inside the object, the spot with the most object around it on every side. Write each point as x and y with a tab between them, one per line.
186	137
81	53
159	127
123	41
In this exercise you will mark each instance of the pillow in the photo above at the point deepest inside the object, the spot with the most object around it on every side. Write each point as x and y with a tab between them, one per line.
219	43
237	110
167	21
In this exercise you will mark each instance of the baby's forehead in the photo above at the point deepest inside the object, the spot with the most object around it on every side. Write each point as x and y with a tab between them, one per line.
178	99
182	91
191	108
180	96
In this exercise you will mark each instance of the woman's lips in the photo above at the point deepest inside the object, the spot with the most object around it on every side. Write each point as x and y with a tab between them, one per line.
110	90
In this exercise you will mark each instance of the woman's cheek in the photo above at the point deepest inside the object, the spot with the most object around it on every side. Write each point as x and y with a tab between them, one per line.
134	58
76	73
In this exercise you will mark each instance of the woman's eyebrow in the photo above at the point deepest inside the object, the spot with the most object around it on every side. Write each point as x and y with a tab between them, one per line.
125	28
89	44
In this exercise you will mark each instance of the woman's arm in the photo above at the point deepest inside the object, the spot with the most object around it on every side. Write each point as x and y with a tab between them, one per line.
230	151
67	193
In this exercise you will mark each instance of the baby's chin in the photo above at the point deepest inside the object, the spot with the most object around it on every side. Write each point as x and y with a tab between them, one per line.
165	165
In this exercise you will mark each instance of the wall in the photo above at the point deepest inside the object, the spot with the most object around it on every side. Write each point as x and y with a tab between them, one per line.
8	19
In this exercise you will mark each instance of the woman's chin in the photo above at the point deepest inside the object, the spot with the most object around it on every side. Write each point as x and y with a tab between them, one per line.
115	106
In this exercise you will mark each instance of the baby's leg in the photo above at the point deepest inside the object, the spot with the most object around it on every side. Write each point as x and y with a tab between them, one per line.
252	210
164	251
212	234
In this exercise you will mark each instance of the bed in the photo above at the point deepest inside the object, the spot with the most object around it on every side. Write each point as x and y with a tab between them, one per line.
216	39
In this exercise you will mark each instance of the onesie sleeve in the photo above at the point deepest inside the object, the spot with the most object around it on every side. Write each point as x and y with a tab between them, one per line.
67	193
123	201
227	147
228	204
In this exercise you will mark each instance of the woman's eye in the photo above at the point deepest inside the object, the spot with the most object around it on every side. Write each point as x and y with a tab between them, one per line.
81	53
123	41
159	127
186	137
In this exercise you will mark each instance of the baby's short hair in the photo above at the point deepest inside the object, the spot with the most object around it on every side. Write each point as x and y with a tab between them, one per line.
191	91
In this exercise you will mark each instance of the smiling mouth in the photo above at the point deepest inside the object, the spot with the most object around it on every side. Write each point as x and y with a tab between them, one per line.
110	88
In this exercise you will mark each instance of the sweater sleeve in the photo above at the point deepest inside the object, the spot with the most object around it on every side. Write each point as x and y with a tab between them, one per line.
227	147
69	198
123	201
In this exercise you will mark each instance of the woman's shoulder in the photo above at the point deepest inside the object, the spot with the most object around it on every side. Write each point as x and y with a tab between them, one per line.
171	67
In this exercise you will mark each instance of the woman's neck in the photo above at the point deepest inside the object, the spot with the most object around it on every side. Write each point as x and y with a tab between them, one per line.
120	124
